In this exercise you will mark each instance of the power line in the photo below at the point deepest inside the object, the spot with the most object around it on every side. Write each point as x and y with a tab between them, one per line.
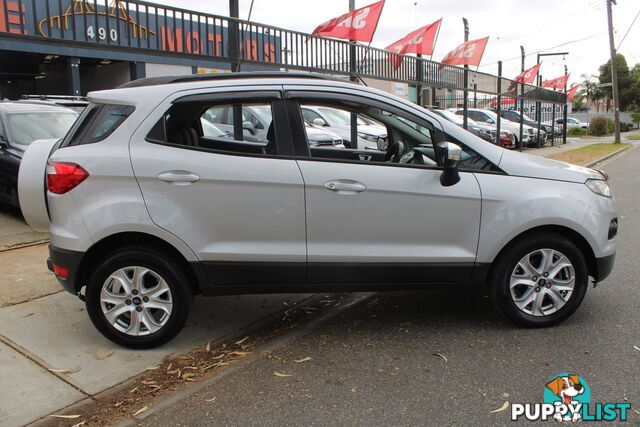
548	48
628	29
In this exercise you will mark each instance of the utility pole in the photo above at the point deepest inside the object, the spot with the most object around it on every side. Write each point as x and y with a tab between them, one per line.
614	72
465	105
353	144
234	36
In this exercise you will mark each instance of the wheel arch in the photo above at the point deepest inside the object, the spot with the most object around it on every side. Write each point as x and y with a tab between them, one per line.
572	235
109	244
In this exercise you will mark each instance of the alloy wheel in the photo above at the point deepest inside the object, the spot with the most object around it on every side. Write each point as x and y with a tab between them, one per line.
542	282
136	301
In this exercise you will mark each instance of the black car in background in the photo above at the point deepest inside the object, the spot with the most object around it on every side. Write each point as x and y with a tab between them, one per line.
21	123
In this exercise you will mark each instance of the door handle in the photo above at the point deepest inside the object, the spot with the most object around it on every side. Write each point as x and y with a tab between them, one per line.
179	177
345	186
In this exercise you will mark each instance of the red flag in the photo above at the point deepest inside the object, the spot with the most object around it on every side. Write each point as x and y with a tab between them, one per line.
468	53
420	41
572	92
359	25
528	76
557	83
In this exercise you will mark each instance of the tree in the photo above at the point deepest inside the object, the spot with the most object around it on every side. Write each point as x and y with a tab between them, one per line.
590	91
578	103
628	92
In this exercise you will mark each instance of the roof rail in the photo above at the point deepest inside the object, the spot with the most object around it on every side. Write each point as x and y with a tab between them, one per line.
61	97
153	81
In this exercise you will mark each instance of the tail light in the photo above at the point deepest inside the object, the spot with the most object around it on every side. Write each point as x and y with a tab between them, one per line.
63	177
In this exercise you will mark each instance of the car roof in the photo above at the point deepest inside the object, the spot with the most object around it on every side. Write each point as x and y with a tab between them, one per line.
32	107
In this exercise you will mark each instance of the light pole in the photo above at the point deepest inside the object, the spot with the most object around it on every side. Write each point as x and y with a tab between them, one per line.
520	143
614	73
465	78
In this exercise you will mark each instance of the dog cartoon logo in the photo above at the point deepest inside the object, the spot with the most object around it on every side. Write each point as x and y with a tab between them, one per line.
567	392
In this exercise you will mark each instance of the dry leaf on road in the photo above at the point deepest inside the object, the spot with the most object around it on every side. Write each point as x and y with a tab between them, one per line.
81	423
65	371
104	356
504	406
210	400
304	359
280	374
67	417
242	340
636	347
141	410
441	355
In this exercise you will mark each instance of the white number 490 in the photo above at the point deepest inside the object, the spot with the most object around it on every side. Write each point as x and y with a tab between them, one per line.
102	33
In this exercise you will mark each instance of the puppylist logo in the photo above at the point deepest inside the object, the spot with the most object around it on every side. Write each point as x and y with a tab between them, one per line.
567	397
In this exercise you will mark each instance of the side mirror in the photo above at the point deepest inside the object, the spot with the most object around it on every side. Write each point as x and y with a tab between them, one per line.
449	154
382	143
490	121
3	143
319	122
248	126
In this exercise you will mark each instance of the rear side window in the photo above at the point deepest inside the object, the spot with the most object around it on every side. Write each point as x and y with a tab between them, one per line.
96	123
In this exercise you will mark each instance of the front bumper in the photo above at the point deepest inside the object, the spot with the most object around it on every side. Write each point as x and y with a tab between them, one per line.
604	266
65	264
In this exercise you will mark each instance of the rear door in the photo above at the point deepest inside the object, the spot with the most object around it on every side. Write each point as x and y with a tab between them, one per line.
239	205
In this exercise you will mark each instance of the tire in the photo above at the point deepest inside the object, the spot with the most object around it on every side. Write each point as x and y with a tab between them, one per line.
163	305
552	301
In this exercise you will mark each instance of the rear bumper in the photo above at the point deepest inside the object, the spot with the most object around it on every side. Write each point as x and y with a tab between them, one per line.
604	266
64	264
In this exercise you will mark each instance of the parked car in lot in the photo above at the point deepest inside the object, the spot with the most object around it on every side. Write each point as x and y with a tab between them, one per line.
572	123
76	103
255	123
21	124
486	132
514	116
529	136
370	135
145	211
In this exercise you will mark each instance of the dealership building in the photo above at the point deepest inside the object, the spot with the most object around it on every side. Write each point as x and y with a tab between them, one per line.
71	47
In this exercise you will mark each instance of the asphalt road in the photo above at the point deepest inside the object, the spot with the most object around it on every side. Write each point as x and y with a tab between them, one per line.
374	364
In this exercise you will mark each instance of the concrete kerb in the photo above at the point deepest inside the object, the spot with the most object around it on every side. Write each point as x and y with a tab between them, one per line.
250	329
610	155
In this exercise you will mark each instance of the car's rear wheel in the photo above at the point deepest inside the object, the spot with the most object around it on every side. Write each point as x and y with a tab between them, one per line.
539	281
138	298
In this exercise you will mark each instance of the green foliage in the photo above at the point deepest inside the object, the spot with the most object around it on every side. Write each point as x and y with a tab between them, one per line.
628	83
635	117
625	127
576	131
600	125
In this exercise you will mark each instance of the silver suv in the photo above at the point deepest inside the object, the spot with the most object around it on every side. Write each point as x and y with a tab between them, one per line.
144	211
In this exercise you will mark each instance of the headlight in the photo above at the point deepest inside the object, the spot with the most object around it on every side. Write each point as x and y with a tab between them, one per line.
368	137
599	186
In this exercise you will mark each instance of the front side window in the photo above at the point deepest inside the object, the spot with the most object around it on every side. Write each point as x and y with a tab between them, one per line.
30	126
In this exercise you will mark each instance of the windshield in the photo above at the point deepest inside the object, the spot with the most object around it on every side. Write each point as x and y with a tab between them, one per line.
28	127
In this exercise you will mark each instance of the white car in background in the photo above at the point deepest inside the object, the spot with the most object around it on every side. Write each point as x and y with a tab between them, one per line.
490	118
371	136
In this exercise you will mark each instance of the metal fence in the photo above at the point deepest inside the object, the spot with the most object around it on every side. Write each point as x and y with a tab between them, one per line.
143	26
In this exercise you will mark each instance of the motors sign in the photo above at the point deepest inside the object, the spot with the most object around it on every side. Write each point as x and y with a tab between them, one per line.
118	23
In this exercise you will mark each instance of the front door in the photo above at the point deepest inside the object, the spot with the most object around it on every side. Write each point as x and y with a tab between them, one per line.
384	216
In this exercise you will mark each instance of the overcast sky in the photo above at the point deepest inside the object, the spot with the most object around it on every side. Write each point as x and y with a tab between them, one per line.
580	26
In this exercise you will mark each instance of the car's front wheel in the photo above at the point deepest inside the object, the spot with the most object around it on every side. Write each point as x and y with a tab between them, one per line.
138	298
539	281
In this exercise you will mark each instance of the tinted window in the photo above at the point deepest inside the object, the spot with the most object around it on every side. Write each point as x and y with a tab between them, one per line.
109	119
211	127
